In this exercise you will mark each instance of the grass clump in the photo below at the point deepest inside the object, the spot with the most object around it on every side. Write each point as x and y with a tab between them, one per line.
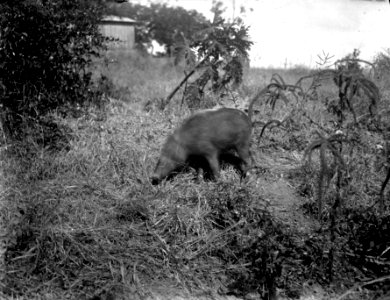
84	237
86	222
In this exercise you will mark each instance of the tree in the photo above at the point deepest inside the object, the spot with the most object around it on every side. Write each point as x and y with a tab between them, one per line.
219	52
45	50
160	22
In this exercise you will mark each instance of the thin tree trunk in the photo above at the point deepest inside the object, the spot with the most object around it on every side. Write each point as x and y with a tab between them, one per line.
333	224
382	192
179	86
333	218
186	78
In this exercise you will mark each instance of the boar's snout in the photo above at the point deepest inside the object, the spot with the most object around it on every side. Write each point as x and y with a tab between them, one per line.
155	180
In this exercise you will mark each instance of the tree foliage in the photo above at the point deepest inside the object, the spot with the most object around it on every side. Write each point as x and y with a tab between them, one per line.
218	53
45	50
160	22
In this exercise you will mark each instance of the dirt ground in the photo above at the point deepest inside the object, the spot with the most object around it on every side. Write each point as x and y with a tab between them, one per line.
283	199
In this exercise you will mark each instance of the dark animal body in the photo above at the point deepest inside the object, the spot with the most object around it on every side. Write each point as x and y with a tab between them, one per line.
203	139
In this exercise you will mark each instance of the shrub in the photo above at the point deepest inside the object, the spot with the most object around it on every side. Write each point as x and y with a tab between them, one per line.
382	67
45	50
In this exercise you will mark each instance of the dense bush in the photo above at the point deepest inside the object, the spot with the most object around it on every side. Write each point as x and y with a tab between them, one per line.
45	50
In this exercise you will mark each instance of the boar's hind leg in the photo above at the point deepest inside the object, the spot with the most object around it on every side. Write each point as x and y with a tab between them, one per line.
214	164
243	153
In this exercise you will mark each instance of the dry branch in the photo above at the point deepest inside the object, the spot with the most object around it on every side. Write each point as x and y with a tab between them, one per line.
359	286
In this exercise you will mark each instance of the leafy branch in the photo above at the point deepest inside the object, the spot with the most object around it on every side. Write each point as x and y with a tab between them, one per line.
324	145
217	52
273	92
185	79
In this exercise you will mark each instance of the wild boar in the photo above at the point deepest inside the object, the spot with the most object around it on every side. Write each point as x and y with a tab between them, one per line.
205	137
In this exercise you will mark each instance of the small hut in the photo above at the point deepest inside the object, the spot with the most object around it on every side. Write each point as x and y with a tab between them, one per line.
120	28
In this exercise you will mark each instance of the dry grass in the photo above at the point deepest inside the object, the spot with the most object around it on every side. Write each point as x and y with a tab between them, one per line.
87	222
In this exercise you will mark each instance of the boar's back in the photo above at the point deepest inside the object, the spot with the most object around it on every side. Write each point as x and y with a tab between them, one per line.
221	129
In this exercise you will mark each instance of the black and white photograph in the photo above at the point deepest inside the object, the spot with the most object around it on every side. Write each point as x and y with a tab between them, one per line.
195	150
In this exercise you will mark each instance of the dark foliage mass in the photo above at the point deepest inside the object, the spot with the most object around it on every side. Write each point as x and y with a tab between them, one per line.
160	22
45	50
369	240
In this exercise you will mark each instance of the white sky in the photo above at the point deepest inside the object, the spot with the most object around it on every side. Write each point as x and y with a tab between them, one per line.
288	33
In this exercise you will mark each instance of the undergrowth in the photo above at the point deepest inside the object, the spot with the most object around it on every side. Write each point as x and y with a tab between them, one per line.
87	222
83	220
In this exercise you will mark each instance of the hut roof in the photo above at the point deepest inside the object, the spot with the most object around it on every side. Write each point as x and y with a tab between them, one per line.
118	19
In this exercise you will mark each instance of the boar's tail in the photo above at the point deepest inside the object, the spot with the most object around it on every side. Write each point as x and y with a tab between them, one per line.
256	97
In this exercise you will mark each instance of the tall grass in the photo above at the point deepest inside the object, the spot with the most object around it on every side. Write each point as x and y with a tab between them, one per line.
88	223
139	78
